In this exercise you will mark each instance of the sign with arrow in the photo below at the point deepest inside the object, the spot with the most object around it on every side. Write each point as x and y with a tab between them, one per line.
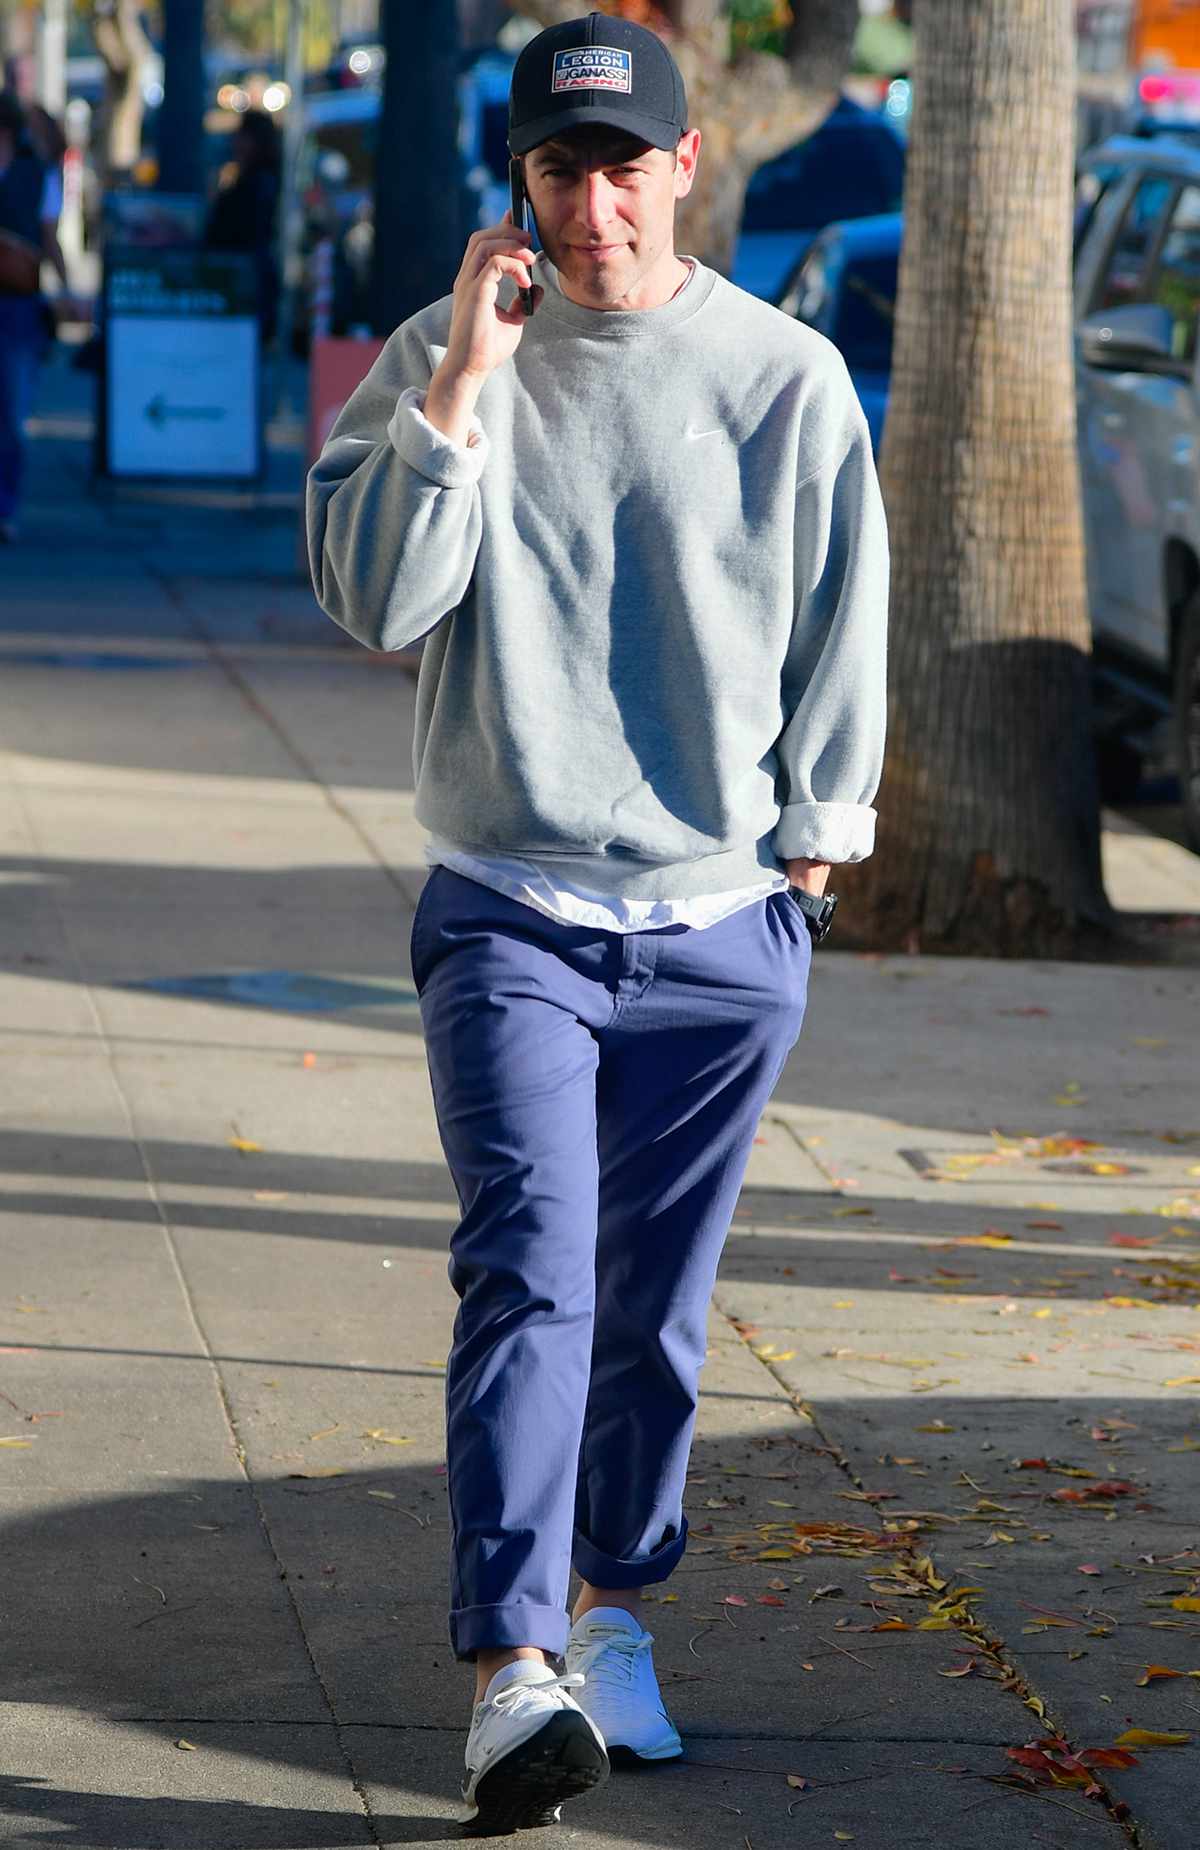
181	381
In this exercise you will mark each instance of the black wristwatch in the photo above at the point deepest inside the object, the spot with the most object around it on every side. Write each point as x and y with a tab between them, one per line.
818	910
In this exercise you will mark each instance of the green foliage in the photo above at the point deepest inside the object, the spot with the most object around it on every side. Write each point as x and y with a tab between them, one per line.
760	25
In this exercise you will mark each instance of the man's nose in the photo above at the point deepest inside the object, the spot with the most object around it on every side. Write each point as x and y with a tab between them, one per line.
594	200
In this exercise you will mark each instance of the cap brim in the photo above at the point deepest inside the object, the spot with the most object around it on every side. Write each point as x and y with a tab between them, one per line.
653	129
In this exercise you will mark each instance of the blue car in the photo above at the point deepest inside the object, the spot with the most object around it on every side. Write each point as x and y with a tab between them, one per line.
846	289
852	167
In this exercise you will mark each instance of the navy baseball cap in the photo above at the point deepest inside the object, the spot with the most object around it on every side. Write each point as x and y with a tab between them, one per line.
596	70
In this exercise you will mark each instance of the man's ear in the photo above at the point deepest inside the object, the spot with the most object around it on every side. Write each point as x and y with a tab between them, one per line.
687	154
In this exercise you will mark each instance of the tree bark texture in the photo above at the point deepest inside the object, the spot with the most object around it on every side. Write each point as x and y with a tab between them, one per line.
989	824
748	109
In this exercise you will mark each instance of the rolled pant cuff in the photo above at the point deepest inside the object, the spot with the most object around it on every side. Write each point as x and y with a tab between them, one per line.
500	1628
601	1570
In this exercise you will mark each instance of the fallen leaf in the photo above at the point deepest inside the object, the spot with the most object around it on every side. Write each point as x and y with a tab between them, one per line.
963	1670
1089	1567
1153	1672
828	1592
734	1599
1182	1381
189	1747
245	1145
1106	1756
382	1437
1150	1737
1186	1603
798	1782
936	1426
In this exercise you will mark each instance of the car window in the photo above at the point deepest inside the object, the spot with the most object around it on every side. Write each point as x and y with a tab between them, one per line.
1090	188
1126	274
808	291
866	313
1176	282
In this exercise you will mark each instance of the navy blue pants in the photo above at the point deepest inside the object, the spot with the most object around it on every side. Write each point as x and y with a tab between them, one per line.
597	1096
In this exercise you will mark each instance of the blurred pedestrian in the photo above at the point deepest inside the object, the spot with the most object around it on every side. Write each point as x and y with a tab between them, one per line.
637	520
244	213
23	244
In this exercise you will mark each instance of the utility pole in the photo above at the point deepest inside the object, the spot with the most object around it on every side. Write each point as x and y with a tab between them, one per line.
181	118
418	234
51	58
291	217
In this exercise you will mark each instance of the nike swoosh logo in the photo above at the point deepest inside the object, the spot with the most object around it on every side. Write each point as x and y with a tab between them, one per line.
694	436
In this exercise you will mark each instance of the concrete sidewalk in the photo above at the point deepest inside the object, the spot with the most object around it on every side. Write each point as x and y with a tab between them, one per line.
963	1281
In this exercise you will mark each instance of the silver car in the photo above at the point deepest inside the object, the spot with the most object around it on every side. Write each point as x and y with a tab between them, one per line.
1137	311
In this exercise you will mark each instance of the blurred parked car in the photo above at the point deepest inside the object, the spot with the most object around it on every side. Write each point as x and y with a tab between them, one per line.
851	167
1137	310
846	289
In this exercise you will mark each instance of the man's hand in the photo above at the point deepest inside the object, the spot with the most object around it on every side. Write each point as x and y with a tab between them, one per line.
811	876
482	334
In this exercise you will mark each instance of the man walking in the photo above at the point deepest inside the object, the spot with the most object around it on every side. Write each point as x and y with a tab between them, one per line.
641	530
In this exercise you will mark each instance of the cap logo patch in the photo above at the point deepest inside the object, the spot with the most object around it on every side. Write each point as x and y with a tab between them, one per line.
593	67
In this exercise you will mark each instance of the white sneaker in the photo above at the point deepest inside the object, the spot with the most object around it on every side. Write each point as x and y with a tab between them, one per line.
530	1747
609	1648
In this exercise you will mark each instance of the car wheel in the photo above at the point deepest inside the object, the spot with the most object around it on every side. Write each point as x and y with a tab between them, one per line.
1187	719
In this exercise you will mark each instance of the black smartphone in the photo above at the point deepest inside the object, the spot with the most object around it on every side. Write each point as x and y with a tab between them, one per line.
520	218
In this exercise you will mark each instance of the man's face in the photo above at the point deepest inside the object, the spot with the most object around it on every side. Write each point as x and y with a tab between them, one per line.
605	208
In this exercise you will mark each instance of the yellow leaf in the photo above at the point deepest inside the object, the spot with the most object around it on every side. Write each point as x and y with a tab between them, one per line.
16	1442
189	1747
1182	1381
244	1145
1150	1737
385	1438
844	1837
428	1364
384	1495
984	1239
774	1554
843	1303
935	1426
1187	1602
1154	1671
940	1624
1037	1705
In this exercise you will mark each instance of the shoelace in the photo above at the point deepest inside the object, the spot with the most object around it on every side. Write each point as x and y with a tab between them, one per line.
611	1657
514	1695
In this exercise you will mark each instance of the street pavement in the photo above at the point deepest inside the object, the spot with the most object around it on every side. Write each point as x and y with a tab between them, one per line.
944	1490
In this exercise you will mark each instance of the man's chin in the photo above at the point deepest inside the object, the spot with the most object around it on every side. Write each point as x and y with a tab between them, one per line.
601	280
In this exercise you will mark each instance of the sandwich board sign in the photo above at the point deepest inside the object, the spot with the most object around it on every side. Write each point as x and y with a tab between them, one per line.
181	377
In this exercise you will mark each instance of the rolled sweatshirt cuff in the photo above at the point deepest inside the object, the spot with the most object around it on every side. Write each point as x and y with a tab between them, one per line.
428	451
824	832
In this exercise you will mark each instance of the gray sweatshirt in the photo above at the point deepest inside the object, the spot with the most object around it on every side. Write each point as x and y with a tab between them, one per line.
654	587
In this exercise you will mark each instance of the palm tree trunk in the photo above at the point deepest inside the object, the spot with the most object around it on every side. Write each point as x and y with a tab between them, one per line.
989	820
